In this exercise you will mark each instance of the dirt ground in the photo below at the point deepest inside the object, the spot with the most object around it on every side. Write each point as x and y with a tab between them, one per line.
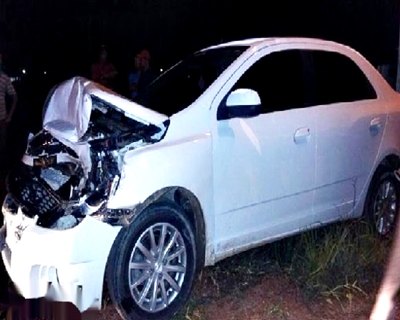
271	297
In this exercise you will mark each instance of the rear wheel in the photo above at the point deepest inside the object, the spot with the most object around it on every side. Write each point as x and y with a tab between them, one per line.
152	264
383	202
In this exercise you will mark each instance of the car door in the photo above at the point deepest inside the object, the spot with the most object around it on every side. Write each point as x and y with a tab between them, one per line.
350	125
264	165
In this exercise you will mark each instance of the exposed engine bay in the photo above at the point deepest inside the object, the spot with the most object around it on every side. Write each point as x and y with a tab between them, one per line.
59	181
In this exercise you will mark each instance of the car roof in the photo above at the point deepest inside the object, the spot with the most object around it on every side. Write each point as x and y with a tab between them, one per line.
257	43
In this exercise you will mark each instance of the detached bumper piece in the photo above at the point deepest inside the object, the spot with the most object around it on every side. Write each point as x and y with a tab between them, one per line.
61	266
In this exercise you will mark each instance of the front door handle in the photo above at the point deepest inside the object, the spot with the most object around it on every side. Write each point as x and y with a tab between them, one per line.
375	126
302	135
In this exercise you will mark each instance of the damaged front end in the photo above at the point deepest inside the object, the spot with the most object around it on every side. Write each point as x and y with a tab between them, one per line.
73	165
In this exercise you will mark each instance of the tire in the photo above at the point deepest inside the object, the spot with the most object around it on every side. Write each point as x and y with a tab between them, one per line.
383	200
136	264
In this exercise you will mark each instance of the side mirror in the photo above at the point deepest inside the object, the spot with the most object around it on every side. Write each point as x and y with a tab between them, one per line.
240	103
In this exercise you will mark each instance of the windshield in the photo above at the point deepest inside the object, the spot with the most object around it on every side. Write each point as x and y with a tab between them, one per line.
186	81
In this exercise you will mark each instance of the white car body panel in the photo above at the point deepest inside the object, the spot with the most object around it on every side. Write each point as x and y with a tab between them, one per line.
263	153
254	181
343	169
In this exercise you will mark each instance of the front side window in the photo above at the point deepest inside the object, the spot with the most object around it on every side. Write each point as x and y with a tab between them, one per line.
280	79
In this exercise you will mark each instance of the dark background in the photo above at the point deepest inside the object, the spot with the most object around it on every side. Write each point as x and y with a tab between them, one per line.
63	36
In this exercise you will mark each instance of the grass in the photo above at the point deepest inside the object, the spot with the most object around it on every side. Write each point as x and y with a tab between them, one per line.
335	262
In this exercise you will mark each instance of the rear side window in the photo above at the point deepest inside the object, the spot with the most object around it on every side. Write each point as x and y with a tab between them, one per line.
339	79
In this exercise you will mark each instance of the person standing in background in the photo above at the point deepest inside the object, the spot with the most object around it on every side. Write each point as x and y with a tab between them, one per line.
103	71
6	89
133	78
142	76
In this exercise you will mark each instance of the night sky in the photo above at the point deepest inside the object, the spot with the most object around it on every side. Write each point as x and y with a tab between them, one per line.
62	36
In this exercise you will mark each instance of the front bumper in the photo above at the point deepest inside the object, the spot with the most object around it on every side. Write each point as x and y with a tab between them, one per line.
62	265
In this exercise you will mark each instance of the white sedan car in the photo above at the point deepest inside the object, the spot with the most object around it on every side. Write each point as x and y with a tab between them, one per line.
235	146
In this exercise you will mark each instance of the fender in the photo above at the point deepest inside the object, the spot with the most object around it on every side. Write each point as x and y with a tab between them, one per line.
185	163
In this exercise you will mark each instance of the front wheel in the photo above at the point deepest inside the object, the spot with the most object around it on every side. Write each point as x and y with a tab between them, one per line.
383	202
152	264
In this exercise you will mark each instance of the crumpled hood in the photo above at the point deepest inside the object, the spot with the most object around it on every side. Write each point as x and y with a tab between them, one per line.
69	107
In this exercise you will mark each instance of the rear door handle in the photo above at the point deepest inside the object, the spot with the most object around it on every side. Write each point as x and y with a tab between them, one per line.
375	126
301	135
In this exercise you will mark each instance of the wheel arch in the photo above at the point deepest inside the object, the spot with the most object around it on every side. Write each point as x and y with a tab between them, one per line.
390	162
149	213
191	206
193	210
383	221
